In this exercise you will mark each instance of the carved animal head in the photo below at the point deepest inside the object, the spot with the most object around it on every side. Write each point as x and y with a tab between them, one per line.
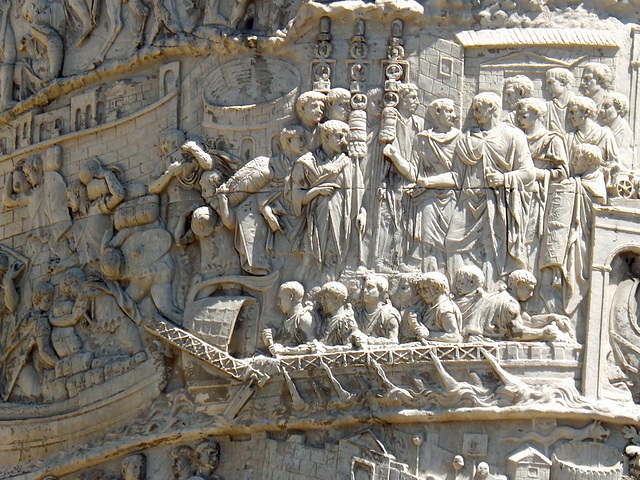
598	432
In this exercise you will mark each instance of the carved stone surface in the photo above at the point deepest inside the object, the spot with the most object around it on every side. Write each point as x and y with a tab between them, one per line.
387	239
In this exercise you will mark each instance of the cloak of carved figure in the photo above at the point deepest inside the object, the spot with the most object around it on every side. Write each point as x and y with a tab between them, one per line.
433	170
327	192
105	310
515	89
469	289
549	154
501	315
140	257
300	325
254	203
340	324
43	198
165	17
559	82
29	351
489	222
441	320
564	254
613	110
379	320
40	17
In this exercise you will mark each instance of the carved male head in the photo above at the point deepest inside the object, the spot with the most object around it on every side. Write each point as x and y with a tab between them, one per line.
170	140
76	196
559	80
431	285
522	283
333	136
443	113
182	462
376	288
596	77
112	263
208	456
483	470
72	281
585	158
468	279
310	108
458	463
203	221
530	111
289	295
409	99
579	109
517	88
374	102
333	295
42	297
134	467
485	106
293	141
20	182
33	170
613	106
338	104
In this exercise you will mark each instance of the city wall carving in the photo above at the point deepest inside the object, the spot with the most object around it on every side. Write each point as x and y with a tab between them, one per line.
297	239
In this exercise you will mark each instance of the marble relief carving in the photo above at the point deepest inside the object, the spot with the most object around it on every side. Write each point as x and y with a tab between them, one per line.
298	239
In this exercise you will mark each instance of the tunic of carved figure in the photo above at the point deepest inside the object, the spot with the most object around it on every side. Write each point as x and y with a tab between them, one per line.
112	314
565	244
443	317
382	323
557	117
549	155
494	315
488	224
432	208
340	327
406	131
330	219
297	329
468	305
217	253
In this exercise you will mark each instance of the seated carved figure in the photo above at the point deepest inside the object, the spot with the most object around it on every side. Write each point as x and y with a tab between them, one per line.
441	320
299	327
340	322
30	351
103	311
505	318
469	290
379	320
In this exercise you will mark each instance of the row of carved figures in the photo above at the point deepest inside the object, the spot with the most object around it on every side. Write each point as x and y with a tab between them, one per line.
424	311
35	55
186	464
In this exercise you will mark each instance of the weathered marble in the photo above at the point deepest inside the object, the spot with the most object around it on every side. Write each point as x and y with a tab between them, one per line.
387	239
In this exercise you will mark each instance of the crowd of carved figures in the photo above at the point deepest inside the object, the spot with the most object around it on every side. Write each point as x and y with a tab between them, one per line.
36	35
421	235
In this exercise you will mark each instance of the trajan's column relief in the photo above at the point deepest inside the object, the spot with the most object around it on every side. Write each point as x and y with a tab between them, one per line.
319	240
